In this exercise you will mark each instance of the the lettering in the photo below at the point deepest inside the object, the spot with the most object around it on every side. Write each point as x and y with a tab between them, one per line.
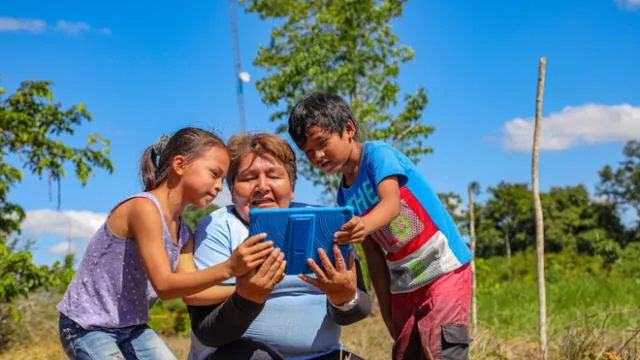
365	197
370	192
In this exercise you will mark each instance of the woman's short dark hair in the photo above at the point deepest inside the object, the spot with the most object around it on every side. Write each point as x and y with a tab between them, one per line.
243	145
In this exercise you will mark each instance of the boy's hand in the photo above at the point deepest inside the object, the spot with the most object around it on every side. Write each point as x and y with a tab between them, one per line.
353	232
249	254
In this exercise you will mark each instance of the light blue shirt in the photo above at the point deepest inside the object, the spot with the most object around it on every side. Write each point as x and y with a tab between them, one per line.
294	319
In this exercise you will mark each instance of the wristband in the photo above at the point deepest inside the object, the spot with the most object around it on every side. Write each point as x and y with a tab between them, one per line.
346	306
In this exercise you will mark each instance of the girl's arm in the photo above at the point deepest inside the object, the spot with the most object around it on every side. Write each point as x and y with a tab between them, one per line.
147	231
211	296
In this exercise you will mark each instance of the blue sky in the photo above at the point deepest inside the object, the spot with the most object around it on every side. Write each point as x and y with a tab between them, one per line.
150	67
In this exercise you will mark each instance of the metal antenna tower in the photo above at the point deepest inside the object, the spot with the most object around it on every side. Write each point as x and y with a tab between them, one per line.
240	77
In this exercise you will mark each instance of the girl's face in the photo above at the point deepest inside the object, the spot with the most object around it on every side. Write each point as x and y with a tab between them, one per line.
202	177
262	182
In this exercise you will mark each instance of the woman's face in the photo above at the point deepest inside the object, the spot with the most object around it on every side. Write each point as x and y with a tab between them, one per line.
262	182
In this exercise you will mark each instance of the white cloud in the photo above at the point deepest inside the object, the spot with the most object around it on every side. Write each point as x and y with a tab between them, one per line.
76	224
63	248
37	26
72	28
628	4
29	25
588	124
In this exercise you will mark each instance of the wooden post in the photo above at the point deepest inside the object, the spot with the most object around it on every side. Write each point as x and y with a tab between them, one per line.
537	205
473	187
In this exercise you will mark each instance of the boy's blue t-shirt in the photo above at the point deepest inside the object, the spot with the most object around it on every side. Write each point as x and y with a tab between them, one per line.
294	319
422	242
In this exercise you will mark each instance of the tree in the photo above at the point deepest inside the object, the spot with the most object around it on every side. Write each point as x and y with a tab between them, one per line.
192	215
508	210
568	211
347	48
453	203
31	126
622	184
574	221
537	205
473	189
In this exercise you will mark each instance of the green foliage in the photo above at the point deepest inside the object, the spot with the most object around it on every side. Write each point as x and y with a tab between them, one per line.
628	265
456	208
475	188
170	317
348	48
573	221
622	184
21	278
505	222
512	309
31	126
18	273
192	215
577	284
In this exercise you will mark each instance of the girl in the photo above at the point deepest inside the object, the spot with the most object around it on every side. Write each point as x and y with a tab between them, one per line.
131	259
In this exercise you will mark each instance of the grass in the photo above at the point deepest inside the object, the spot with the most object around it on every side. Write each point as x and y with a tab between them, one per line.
588	318
512	310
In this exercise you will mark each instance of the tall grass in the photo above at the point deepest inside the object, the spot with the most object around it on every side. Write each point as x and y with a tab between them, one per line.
512	310
593	313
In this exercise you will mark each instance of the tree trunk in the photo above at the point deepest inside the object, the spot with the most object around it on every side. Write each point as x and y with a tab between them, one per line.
537	205
472	233
508	244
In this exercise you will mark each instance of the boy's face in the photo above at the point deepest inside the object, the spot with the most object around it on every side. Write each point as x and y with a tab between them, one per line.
329	151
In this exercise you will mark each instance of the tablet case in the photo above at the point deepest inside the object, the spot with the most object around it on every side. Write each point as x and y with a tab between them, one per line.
300	232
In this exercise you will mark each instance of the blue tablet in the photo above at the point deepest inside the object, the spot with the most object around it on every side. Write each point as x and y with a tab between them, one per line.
300	232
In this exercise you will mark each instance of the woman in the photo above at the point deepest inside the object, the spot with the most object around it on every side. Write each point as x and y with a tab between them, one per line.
264	314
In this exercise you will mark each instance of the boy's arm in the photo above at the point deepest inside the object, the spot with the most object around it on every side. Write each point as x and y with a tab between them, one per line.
387	209
379	276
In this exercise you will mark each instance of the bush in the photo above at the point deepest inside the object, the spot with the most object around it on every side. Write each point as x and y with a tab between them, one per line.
170	317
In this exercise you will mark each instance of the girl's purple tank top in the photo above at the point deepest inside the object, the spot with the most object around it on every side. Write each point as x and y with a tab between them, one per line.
111	288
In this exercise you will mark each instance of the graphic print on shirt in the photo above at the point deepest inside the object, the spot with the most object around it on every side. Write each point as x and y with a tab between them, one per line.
422	242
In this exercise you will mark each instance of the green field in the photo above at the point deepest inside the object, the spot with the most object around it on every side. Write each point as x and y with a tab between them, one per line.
591	311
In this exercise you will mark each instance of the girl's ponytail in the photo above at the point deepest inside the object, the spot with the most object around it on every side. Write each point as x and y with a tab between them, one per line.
154	159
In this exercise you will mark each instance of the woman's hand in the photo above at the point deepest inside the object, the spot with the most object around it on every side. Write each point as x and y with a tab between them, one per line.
338	282
258	284
249	255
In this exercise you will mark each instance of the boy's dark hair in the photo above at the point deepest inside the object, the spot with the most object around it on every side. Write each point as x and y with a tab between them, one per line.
190	142
328	111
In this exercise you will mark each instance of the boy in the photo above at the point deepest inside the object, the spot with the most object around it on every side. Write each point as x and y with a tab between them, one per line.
418	263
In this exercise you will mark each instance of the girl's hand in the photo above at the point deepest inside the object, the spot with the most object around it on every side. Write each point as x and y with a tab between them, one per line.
249	255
